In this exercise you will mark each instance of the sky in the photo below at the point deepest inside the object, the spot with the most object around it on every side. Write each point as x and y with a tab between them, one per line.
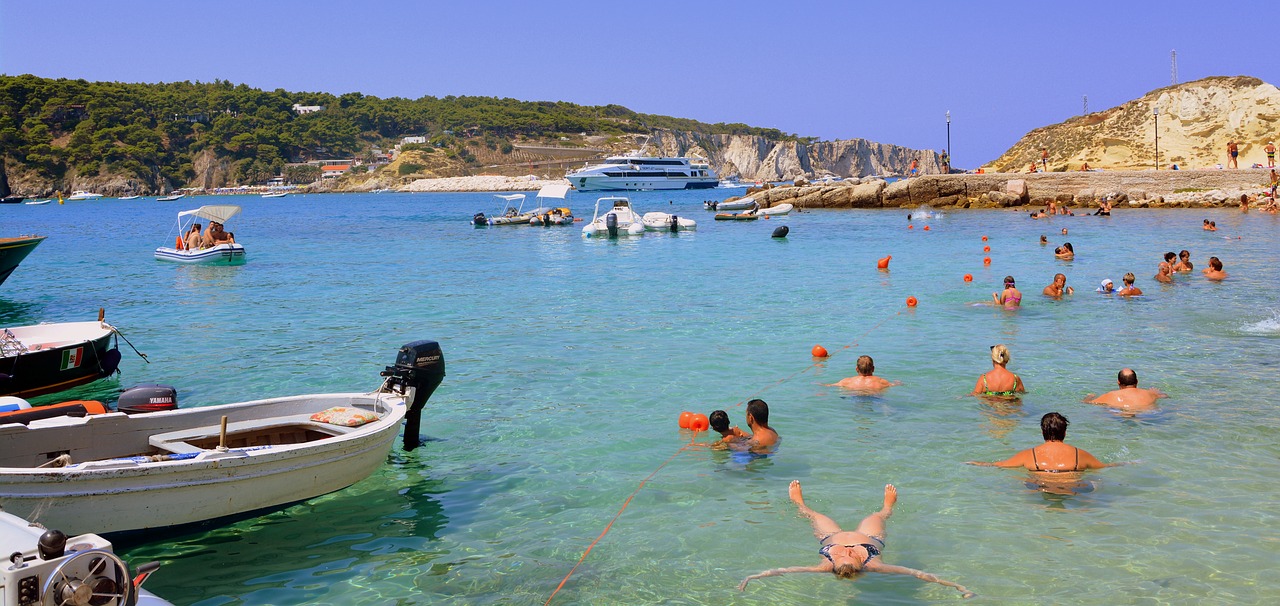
883	71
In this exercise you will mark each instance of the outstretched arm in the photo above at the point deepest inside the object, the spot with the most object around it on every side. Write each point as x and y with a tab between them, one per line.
1018	460
919	574
777	571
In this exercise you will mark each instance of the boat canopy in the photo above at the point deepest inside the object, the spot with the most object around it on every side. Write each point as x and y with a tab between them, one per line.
510	197
554	190
219	213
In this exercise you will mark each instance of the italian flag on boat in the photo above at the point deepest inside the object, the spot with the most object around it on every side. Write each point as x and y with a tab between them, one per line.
71	358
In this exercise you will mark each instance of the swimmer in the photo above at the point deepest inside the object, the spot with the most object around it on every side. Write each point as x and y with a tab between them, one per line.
1059	287
849	552
763	438
1214	270
998	381
1129	290
1205	227
866	380
1066	252
1010	296
1213	226
1129	396
1184	262
1107	287
1054	456
1064	231
1164	273
719	421
1044	240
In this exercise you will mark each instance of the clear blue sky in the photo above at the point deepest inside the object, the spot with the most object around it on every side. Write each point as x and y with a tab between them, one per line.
884	71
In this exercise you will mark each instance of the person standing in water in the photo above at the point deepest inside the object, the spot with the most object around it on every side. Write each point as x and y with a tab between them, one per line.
1010	296
1054	456
998	381
849	552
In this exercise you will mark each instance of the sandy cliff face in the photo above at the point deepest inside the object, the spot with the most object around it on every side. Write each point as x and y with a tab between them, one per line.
756	158
1196	120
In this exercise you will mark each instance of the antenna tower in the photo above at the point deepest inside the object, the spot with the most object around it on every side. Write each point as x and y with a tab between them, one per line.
1173	60
1086	104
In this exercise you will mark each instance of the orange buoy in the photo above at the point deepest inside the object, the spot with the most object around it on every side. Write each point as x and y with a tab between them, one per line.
968	277
984	238
911	301
685	417
986	249
986	260
819	351
911	227
699	422
883	263
926	228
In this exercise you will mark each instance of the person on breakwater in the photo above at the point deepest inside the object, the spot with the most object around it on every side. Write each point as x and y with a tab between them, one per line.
1010	296
998	381
763	438
1059	287
1044	158
1129	289
849	552
1054	456
866	380
1184	262
1233	151
1104	208
1129	396
1214	271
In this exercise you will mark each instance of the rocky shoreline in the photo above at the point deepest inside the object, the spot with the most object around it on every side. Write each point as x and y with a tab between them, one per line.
1138	189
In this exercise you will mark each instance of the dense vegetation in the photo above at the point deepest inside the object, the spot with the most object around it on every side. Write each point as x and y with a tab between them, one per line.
155	132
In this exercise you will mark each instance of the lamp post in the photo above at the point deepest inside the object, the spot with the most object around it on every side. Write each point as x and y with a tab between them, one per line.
1155	111
948	141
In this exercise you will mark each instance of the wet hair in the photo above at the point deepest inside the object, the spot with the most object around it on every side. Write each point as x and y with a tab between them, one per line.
719	420
846	571
1215	263
1067	246
1184	254
1000	354
1127	376
866	365
1053	427
1206	221
1169	256
1213	224
1009	281
1128	278
1063	276
759	410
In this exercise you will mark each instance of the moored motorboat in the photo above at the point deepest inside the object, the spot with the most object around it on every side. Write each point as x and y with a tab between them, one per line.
170	198
47	567
37	202
275	194
547	216
12	200
48	358
619	220
781	209
739	204
128	197
13	251
512	214
744	216
659	221
225	253
83	195
119	472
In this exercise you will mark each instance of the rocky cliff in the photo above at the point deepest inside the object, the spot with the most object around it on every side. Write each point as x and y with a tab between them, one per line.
1196	120
755	158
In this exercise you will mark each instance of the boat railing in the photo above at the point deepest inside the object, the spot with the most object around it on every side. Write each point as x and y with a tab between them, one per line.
10	345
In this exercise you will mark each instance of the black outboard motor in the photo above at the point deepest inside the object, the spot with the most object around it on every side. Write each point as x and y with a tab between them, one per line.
479	219
675	223
147	398
419	366
611	223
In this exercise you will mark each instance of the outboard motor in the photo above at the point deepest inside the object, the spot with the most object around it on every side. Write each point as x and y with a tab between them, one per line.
675	223
781	231
147	398
611	223
479	219
419	366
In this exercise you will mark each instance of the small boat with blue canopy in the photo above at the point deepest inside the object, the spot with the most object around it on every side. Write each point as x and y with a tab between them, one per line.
219	254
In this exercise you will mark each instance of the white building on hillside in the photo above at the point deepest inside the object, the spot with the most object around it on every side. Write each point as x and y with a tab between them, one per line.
307	109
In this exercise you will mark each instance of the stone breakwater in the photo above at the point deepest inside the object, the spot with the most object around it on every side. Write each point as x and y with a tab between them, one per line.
1143	189
479	183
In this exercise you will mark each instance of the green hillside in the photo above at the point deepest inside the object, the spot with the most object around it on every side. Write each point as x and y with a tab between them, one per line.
55	131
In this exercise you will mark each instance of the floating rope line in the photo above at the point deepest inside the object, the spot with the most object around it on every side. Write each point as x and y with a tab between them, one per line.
673	456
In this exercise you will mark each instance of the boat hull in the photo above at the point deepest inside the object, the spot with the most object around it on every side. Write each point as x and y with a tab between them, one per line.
106	491
72	354
222	254
640	183
13	251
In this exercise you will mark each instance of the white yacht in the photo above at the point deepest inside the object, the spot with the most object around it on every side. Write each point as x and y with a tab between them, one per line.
637	173
84	195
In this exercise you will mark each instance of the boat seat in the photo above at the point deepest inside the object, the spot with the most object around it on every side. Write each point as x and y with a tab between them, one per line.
177	441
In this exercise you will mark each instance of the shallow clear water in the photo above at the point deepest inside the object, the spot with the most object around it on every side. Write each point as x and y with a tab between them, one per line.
569	361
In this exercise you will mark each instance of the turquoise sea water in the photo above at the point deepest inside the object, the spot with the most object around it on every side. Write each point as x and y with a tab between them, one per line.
569	361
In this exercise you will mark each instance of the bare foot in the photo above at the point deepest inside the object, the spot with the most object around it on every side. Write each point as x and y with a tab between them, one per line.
794	492
890	495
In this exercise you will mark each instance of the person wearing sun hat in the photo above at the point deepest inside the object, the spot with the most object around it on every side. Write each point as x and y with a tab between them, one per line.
1107	286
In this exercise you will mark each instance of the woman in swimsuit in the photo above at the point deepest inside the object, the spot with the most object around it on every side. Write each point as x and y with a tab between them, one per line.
1010	296
999	381
849	552
1065	252
1054	456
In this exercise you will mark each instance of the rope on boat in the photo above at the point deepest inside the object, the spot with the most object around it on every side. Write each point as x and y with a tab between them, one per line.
135	349
673	456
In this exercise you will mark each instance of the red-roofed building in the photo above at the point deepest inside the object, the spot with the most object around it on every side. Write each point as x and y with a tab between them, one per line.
334	170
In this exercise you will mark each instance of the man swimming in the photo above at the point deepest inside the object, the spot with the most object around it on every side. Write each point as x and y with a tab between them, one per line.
866	379
1129	396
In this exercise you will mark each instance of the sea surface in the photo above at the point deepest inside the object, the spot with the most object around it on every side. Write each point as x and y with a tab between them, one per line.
569	361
